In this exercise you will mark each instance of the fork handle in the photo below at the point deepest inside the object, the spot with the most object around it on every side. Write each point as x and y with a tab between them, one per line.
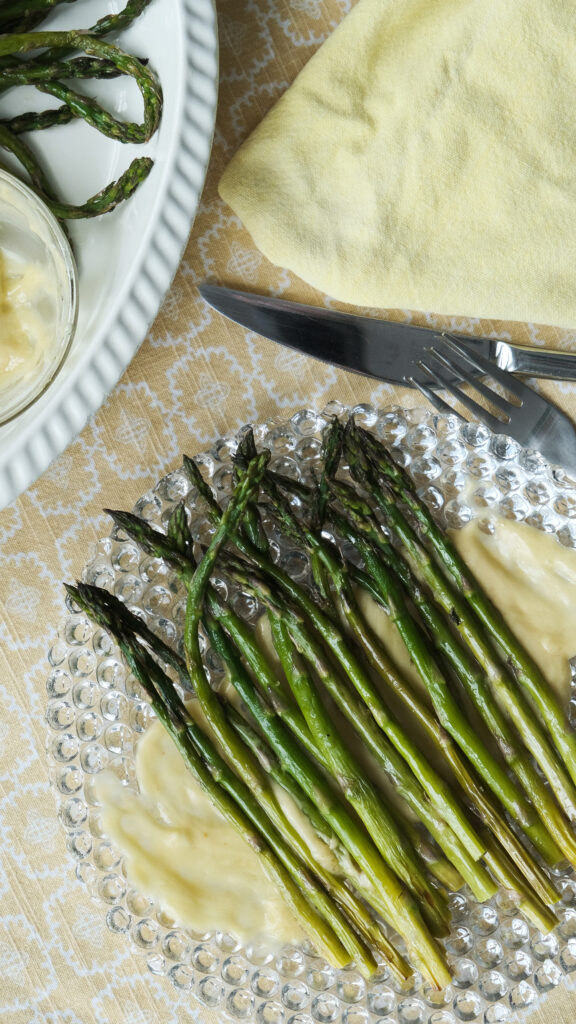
536	362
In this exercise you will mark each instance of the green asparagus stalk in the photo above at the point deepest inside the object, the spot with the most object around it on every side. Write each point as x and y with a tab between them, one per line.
535	877
533	874
246	691
22	8
23	15
79	67
448	711
395	904
49	70
441	868
294	759
117	21
472	679
111	22
255	780
270	681
102	202
82	106
458	602
387	757
440	741
437	789
359	717
340	589
37	121
244	762
357	788
271	763
449	714
22	151
359	911
234	800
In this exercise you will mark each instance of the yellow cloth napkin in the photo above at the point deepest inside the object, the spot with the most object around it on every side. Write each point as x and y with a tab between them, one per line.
425	158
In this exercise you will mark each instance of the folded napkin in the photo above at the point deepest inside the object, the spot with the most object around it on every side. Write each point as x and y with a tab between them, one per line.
425	158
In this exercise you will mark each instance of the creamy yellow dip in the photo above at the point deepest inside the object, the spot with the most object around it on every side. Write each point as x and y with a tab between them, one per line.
181	852
28	304
178	849
531	578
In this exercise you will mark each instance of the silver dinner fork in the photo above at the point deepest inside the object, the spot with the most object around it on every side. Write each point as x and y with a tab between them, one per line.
525	415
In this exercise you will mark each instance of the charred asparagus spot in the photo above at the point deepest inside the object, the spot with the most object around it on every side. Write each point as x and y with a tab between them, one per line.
80	67
24	15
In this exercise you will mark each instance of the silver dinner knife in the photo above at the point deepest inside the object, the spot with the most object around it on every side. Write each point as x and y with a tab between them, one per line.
376	348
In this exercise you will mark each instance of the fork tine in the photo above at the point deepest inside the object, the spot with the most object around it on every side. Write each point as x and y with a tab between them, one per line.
501	403
432	396
534	422
488	368
491	421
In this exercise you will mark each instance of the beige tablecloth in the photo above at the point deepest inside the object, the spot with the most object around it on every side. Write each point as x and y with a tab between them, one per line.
59	963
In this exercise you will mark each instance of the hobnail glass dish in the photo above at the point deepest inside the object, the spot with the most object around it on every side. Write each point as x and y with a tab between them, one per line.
96	713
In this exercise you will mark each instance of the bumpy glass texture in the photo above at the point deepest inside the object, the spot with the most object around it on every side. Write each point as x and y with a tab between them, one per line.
96	713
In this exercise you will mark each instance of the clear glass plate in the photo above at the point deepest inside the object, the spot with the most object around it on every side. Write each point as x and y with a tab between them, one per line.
96	713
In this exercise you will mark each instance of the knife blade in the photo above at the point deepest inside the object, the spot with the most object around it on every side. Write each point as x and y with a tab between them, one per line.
384	349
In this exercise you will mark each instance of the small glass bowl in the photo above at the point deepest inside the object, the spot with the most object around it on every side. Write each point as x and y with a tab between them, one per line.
38	297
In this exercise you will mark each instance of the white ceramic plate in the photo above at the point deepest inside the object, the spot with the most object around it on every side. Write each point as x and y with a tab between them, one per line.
126	259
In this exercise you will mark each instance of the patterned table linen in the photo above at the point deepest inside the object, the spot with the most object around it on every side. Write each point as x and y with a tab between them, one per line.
195	379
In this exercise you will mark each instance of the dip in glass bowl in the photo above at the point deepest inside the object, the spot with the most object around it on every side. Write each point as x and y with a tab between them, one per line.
38	297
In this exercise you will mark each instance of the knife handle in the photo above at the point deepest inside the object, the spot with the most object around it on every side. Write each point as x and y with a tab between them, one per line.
536	362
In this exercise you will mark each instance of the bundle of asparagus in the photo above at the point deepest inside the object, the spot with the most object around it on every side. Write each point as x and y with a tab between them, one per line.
49	61
492	807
